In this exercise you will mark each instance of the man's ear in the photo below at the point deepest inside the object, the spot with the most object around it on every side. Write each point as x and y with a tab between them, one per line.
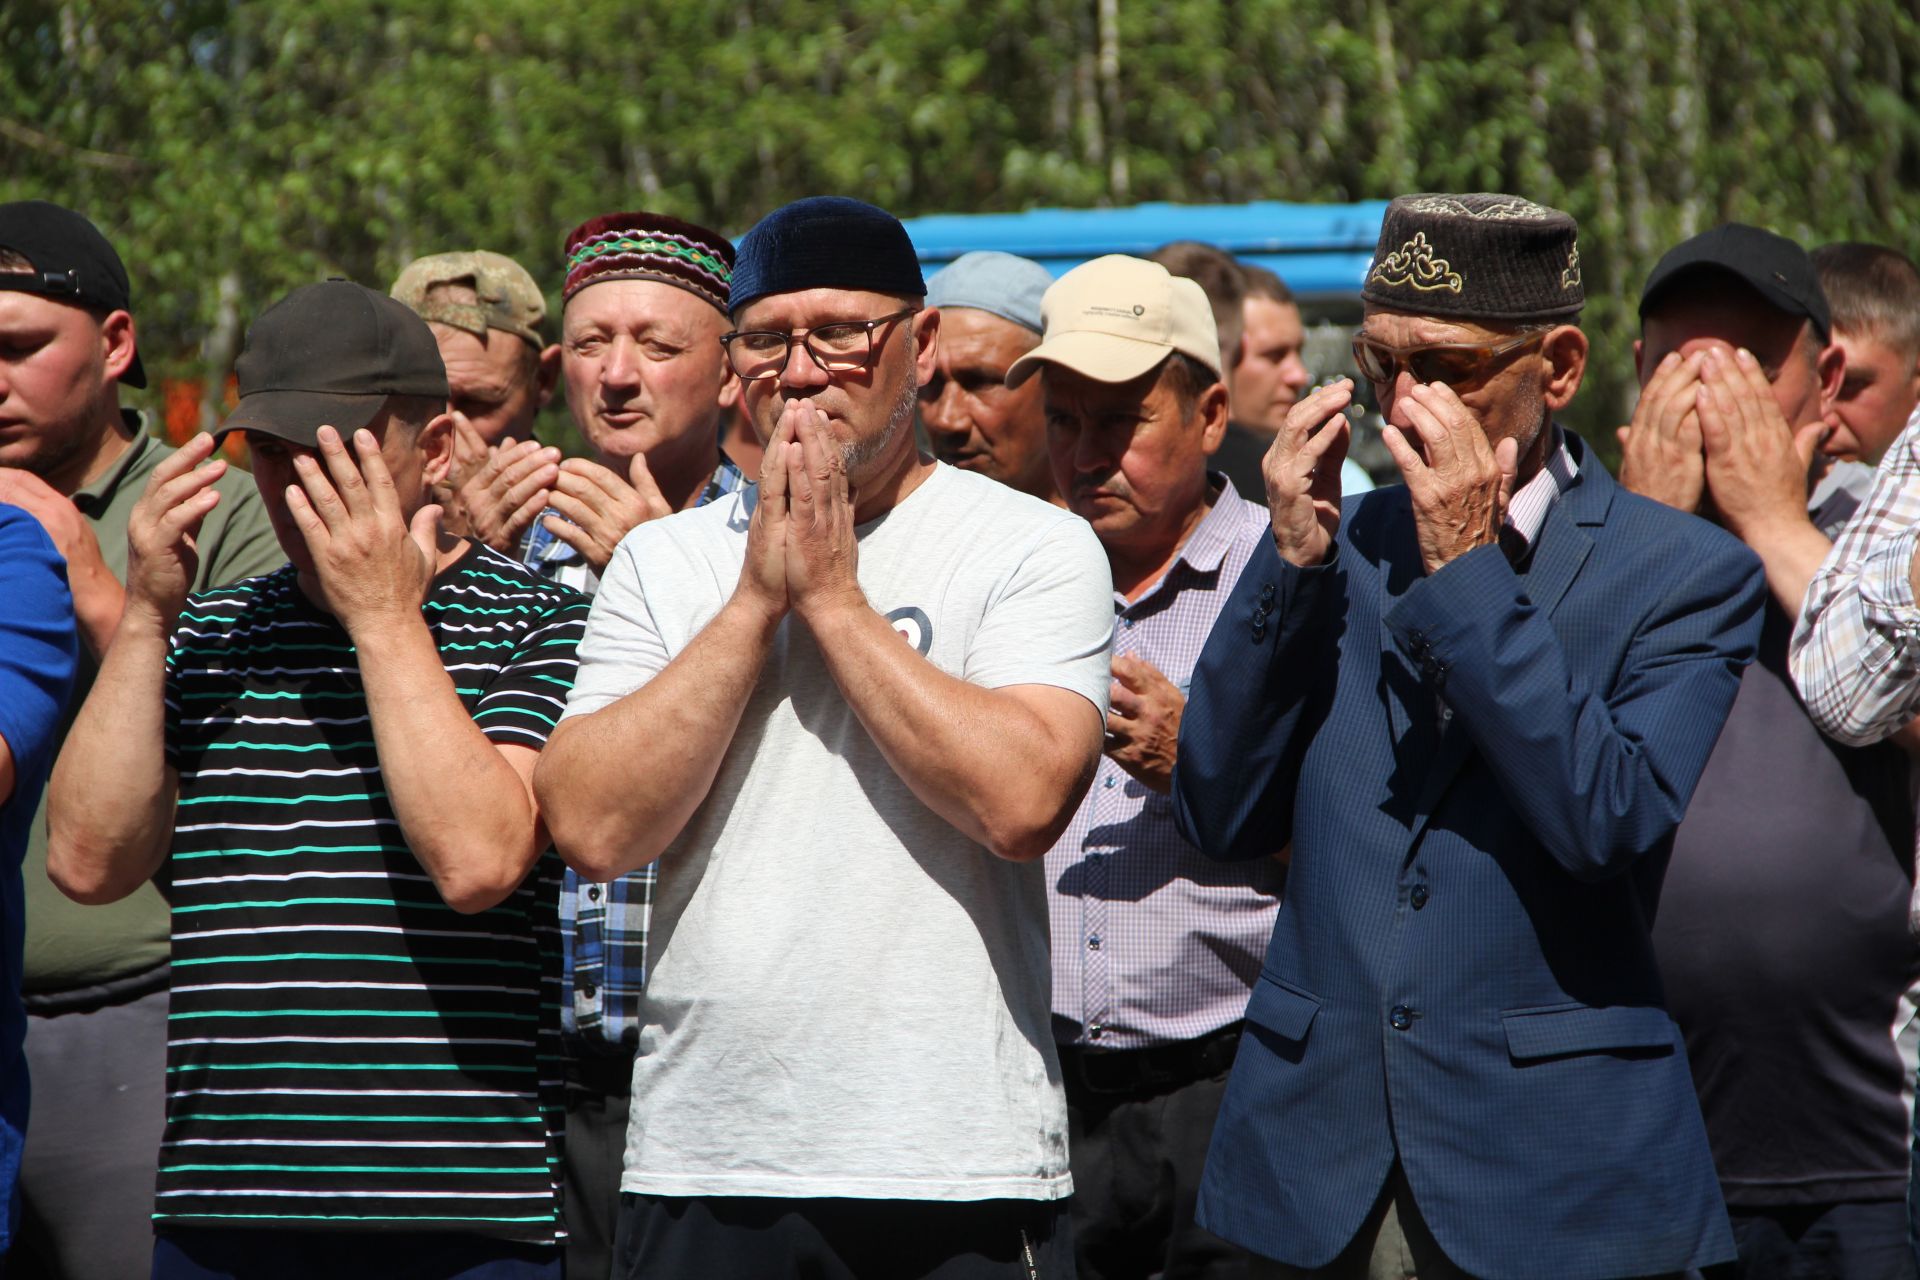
1830	367
435	443
1565	350
1213	412
1639	362
926	345
117	338
731	389
547	373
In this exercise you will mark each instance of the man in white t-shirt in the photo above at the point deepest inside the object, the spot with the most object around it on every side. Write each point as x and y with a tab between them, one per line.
848	710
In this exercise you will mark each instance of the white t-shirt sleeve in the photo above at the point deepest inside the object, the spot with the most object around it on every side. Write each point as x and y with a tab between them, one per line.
1052	621
623	647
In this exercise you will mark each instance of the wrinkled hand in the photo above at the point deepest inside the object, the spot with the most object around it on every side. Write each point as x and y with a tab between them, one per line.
822	554
1757	465
97	595
1460	489
1143	726
1302	472
500	499
373	567
603	507
1660	454
162	558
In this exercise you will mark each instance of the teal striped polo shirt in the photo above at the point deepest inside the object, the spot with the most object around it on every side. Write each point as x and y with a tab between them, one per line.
345	1051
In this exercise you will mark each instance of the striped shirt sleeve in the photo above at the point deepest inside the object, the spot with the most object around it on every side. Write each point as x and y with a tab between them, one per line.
523	702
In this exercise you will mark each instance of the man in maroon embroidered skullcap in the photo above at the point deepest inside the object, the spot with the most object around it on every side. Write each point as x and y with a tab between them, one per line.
649	386
644	305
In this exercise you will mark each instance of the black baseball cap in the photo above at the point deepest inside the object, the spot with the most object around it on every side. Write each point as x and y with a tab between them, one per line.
330	354
72	263
1777	268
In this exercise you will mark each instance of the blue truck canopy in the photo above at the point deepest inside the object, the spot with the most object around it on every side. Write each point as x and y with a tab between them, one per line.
1320	250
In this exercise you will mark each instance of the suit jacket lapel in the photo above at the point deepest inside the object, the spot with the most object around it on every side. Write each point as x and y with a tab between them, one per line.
1562	547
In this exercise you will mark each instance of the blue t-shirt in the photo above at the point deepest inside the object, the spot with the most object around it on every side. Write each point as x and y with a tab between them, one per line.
37	652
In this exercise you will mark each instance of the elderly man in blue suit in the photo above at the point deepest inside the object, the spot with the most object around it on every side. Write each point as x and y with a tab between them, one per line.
1476	706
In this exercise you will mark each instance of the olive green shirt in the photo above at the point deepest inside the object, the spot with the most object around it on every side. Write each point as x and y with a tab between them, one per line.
71	949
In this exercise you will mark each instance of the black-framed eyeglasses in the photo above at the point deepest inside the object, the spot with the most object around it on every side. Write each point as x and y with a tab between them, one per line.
1454	363
837	348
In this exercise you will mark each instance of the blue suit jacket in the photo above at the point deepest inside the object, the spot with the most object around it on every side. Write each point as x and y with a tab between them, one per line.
1480	773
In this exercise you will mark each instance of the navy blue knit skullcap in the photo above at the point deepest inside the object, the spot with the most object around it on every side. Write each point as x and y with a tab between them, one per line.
826	242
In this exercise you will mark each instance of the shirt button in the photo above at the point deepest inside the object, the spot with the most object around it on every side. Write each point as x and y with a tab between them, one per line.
1095	1031
589	990
1127	623
1401	1017
593	893
1108	782
1093	943
1418	896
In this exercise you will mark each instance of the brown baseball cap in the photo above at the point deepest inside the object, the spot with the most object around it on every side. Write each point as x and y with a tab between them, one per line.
474	290
1114	318
330	354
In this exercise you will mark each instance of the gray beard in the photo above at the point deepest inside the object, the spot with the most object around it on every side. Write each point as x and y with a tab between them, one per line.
858	454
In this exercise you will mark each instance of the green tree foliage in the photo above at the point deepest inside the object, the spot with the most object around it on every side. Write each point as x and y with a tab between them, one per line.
235	148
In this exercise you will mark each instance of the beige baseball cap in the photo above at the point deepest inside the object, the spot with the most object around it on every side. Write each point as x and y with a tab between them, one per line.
1114	318
474	290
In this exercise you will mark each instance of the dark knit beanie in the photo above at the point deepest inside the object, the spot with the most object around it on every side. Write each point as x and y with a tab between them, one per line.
826	242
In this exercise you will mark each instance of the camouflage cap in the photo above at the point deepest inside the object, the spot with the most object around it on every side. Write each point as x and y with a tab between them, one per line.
474	291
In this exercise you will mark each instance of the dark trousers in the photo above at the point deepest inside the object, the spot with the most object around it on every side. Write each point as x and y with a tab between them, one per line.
1137	1154
312	1255
1865	1241
597	1101
765	1238
99	1107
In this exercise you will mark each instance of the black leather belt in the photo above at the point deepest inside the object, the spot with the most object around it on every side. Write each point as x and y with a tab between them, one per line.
1154	1069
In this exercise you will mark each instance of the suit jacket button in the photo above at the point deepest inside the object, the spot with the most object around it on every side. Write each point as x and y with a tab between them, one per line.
1418	897
1400	1017
1259	629
1266	591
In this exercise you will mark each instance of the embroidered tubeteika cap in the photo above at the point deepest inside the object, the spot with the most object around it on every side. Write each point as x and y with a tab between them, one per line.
474	291
1480	256
1116	317
650	246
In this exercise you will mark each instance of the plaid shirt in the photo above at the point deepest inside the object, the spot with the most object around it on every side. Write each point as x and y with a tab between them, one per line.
1856	649
1153	942
604	926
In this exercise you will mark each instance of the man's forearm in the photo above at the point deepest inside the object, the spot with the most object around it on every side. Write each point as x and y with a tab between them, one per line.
994	767
1792	555
466	815
98	602
111	801
672	732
